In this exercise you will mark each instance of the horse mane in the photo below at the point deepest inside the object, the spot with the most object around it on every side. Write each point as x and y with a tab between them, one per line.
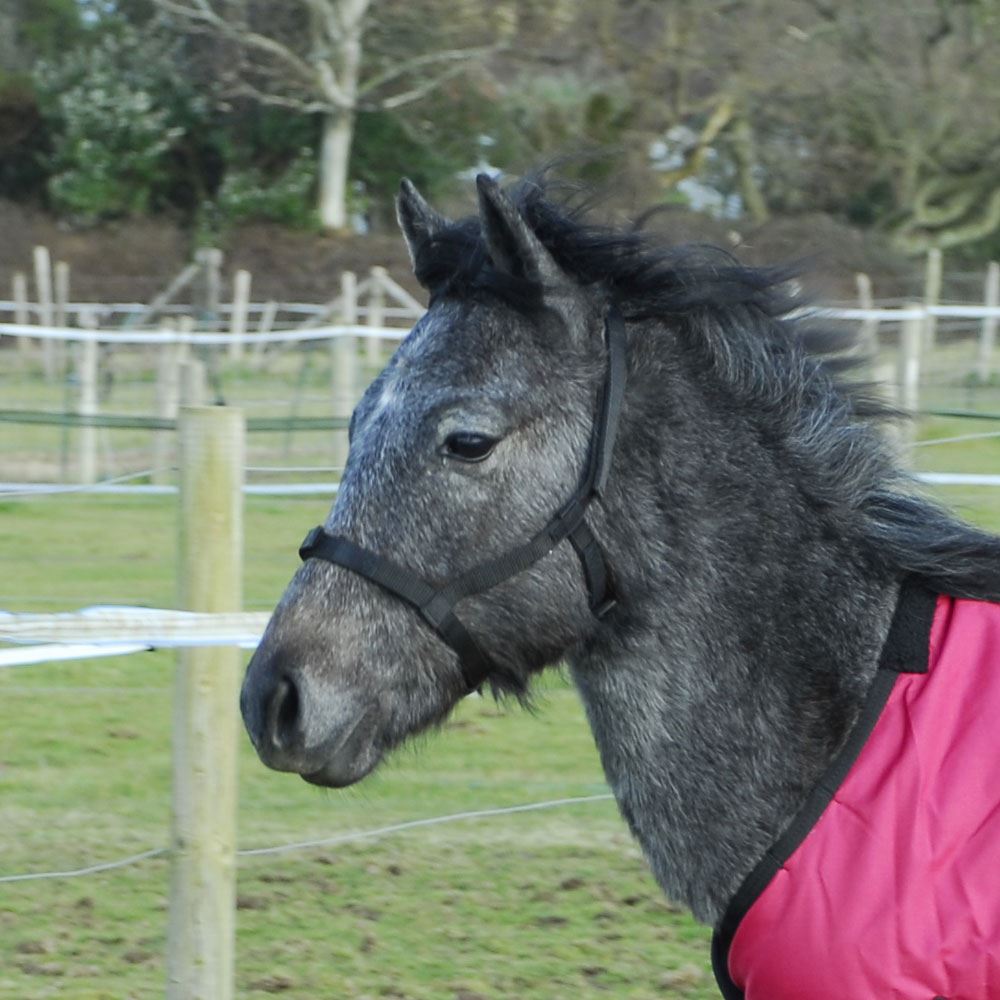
796	376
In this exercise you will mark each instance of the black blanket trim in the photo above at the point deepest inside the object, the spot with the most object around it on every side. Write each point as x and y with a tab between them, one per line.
906	650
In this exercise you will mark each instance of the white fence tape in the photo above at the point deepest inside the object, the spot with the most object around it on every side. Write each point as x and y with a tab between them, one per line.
224	308
183	337
329	332
958	478
148	626
114	631
54	652
13	490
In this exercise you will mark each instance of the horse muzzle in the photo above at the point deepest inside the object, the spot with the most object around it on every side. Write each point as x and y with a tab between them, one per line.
329	741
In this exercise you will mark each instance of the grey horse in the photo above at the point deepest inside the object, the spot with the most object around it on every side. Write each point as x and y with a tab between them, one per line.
753	529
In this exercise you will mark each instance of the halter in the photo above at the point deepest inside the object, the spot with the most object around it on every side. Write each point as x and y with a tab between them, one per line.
436	604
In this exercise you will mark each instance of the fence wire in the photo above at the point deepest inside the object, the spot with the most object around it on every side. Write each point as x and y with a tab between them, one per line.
335	840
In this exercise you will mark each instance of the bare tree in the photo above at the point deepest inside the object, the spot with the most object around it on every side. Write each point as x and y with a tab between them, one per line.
908	93
885	112
308	56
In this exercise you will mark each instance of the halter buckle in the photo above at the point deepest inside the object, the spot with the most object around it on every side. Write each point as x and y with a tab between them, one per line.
309	542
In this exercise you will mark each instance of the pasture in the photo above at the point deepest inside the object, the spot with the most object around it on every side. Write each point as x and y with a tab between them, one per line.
541	904
536	905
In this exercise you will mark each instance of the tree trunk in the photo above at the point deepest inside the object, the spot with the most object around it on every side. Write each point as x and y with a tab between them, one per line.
334	157
743	153
11	54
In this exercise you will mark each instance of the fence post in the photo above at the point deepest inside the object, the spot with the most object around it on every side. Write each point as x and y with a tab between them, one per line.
61	311
43	288
376	315
911	337
87	401
932	296
988	330
210	261
238	317
167	401
868	334
201	932
345	363
19	288
61	292
193	384
264	325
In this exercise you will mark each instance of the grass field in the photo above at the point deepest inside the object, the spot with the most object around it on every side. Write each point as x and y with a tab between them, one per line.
549	904
552	905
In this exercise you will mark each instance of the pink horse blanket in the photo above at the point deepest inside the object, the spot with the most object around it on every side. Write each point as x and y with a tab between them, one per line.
887	884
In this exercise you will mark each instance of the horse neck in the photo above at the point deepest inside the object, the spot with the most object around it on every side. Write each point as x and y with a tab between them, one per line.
748	630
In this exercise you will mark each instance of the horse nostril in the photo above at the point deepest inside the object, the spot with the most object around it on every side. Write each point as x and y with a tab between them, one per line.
283	714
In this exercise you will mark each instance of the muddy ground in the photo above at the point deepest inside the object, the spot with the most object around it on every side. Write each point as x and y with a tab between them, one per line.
132	260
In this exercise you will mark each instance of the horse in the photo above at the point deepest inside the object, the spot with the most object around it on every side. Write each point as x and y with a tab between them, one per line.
642	462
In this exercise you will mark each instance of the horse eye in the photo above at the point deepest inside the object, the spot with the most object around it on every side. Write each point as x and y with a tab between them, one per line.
468	446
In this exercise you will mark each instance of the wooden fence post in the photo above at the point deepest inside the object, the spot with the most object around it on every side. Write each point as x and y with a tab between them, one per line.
210	261
167	401
61	306
201	933
19	289
911	338
87	401
264	325
60	313
886	377
932	296
238	317
988	330
868	335
43	288
376	315
193	384
344	358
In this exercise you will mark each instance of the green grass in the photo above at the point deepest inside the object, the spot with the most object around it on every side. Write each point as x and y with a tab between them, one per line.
551	905
293	383
538	905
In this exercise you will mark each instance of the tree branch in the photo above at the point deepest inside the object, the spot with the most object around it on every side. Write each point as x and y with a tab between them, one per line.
243	89
428	59
409	96
913	240
203	12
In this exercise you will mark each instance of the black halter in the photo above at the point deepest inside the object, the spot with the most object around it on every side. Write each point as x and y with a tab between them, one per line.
436	604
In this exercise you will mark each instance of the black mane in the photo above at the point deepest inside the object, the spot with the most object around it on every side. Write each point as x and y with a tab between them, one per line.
640	274
797	375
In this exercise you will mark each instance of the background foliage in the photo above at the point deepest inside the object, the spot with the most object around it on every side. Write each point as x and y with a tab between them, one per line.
879	115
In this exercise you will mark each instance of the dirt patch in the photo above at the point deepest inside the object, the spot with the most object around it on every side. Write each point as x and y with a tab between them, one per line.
272	984
132	260
251	902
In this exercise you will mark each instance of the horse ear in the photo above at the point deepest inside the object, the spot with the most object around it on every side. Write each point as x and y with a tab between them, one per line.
417	220
513	246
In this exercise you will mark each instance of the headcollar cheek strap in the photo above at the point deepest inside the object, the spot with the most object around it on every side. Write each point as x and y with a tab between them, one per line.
605	430
436	604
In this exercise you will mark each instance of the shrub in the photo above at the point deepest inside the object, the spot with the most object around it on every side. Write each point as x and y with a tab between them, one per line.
247	194
114	109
